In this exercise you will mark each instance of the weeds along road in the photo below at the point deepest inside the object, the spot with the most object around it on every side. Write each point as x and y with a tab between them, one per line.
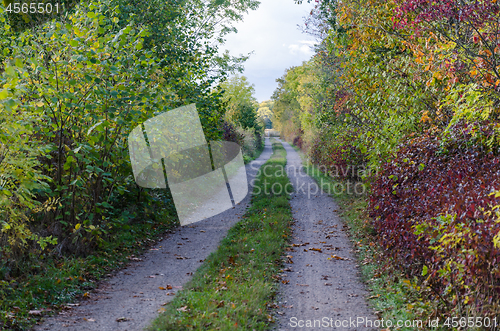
131	299
323	281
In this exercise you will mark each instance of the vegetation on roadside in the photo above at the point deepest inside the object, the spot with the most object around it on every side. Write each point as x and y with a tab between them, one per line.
402	95
234	288
243	125
50	282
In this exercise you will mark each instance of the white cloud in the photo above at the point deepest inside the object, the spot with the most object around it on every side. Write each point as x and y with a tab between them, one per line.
304	49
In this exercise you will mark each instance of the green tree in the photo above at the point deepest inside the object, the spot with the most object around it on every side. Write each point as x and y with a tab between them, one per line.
241	105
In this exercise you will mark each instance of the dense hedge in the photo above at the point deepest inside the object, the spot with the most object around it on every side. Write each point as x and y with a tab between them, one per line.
338	156
432	205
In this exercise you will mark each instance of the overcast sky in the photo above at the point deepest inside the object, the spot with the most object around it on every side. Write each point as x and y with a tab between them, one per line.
271	32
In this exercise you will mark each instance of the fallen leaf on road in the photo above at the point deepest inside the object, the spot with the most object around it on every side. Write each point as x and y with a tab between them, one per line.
89	319
337	257
302	285
315	308
152	277
162	288
328	284
202	230
316	249
285	281
124	319
288	269
169	287
182	258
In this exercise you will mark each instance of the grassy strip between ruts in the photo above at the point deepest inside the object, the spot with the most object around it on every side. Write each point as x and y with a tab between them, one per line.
234	288
393	297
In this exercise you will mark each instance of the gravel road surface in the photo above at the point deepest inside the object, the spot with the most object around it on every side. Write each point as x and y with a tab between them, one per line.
324	285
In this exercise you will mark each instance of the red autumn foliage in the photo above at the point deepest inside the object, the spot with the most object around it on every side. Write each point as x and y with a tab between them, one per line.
476	13
430	178
297	141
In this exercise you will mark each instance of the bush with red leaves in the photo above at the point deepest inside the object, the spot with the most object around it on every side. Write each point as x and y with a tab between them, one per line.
297	141
229	133
334	153
430	208
475	13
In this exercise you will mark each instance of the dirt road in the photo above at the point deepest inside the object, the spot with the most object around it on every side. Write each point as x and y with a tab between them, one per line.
324	285
131	299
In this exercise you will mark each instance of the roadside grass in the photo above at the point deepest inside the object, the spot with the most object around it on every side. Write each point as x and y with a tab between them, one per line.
49	283
234	288
391	295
